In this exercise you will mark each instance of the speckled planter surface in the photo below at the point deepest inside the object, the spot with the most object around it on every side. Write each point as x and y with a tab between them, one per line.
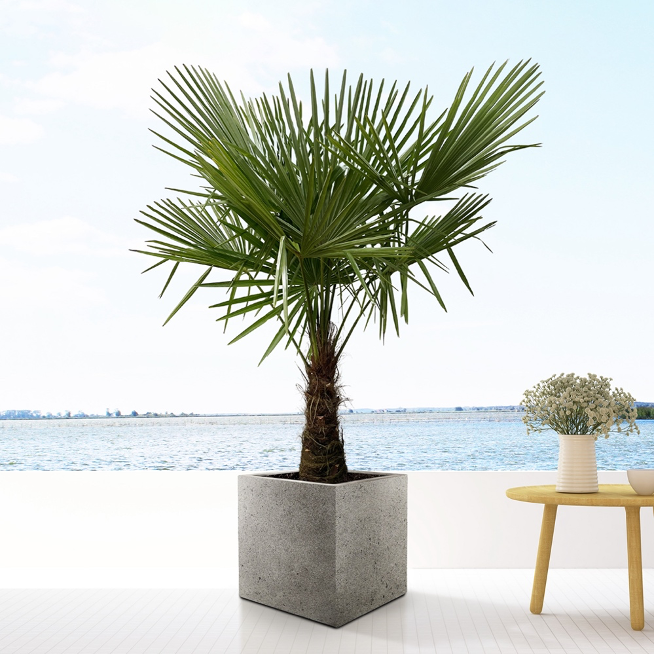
327	552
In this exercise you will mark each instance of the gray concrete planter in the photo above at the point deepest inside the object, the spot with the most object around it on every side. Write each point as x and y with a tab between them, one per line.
327	552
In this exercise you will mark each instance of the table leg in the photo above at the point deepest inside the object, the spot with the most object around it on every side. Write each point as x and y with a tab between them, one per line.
636	607
543	558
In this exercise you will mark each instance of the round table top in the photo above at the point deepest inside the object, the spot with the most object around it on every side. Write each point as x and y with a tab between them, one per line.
608	495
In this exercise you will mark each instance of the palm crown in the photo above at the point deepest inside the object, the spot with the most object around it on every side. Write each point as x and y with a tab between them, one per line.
310	212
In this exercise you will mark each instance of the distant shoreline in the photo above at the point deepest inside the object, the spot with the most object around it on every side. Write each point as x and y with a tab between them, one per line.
645	412
393	411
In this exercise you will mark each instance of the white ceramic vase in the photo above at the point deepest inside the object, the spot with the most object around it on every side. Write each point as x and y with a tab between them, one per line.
577	464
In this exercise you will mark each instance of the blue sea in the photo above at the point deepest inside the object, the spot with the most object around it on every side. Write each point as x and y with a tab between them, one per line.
410	441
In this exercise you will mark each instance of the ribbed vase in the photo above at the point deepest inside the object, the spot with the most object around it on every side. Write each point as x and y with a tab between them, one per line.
577	464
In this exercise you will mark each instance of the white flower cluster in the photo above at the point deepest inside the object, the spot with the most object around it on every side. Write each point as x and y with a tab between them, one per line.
569	404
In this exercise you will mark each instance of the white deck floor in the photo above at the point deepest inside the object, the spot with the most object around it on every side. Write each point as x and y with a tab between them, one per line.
471	611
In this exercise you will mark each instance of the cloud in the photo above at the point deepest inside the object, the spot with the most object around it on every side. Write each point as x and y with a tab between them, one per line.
118	80
278	46
61	236
391	56
14	131
122	80
254	21
109	80
7	178
29	107
40	6
31	18
44	287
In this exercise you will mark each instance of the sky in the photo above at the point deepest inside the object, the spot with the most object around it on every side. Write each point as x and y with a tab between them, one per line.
568	285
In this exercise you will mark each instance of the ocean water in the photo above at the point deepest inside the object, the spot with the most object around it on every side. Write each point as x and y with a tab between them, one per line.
427	441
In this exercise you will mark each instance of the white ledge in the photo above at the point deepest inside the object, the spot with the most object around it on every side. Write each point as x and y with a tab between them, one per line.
148	521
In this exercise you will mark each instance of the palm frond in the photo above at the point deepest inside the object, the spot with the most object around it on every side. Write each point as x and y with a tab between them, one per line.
309	211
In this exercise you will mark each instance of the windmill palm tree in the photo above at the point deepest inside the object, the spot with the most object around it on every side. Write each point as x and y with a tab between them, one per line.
311	211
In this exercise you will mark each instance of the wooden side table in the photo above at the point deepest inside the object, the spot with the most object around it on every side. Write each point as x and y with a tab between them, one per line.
608	495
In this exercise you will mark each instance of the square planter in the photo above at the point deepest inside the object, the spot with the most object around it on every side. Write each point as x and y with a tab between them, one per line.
327	552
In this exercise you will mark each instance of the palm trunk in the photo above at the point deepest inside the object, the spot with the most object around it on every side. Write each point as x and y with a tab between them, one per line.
323	455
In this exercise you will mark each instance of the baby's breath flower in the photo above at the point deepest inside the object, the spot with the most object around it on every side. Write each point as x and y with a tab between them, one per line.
569	404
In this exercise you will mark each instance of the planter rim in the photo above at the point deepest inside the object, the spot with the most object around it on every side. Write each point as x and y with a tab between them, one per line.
270	475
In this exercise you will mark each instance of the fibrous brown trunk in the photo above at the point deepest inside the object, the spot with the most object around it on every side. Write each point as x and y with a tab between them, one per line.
323	455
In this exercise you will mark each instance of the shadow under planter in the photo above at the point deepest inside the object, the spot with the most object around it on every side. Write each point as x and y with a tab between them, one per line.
327	552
